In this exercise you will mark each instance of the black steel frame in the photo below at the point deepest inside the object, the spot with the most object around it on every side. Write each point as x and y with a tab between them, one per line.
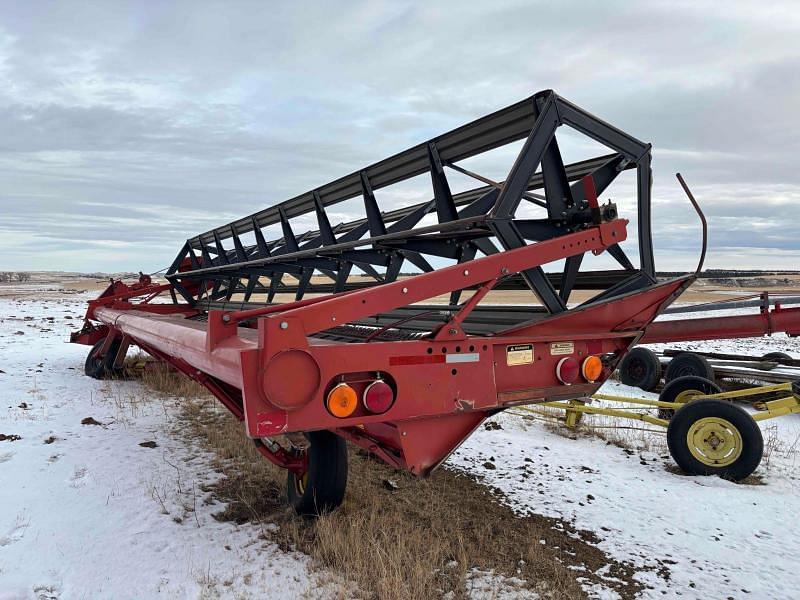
468	222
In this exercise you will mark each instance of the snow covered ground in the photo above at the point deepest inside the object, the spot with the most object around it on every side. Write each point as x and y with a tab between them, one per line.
717	539
87	511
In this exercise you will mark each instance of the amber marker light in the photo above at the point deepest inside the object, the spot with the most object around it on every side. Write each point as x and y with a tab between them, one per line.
592	368
342	401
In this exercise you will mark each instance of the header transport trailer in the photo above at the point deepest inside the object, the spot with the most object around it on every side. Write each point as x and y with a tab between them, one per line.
373	360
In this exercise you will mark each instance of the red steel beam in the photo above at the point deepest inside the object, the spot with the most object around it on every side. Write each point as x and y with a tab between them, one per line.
187	340
717	328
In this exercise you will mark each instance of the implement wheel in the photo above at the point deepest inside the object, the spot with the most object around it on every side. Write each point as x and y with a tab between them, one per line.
321	488
688	363
683	390
100	367
713	437
640	368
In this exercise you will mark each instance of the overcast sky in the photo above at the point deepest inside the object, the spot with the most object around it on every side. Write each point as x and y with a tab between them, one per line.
127	127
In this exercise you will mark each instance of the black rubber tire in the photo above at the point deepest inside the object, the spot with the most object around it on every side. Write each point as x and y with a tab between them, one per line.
640	368
323	489
776	356
752	441
683	384
100	367
688	363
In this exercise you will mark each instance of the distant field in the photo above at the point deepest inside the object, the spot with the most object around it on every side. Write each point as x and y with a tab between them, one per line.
52	284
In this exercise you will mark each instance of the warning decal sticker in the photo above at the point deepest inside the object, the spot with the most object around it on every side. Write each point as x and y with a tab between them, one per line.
519	354
558	348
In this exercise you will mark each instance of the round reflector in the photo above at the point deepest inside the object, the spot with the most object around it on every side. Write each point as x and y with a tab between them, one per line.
342	401
568	370
592	368
378	397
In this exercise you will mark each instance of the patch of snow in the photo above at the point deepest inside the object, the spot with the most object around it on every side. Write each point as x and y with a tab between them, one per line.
85	511
687	536
487	584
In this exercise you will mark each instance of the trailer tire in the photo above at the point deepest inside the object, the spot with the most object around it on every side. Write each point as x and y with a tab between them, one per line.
640	368
689	363
100	367
714	437
321	488
682	389
776	356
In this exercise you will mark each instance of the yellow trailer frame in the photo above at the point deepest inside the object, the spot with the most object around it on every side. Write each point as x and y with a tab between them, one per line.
706	433
778	407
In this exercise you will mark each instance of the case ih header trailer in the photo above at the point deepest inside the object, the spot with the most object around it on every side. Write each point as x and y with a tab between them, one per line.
376	363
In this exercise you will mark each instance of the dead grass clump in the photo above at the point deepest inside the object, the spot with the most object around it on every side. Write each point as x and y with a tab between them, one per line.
396	536
612	430
162	378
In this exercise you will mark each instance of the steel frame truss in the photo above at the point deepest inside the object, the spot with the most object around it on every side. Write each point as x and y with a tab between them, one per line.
215	266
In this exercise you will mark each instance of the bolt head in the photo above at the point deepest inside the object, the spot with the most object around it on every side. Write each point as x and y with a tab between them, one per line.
284	325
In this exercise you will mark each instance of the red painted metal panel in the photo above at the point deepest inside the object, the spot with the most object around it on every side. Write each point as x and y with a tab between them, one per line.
738	326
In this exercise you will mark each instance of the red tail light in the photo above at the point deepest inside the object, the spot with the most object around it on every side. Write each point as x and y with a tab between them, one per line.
568	370
378	397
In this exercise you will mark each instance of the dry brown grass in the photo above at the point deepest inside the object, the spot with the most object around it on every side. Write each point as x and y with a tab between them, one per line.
409	538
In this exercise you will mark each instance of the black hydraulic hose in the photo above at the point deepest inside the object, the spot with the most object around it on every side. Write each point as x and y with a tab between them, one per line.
702	220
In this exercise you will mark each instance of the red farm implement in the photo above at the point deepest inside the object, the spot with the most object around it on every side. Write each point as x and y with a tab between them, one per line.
375	360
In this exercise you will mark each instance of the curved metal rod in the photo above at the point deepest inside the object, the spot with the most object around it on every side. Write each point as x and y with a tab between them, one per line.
385	328
702	220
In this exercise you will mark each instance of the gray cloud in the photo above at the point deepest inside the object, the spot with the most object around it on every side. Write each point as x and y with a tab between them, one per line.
128	127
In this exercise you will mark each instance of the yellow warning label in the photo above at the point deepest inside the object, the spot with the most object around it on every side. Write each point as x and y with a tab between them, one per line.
520	354
558	348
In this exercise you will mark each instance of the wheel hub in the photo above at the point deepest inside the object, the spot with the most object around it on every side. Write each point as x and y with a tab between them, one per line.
687	395
637	368
714	441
